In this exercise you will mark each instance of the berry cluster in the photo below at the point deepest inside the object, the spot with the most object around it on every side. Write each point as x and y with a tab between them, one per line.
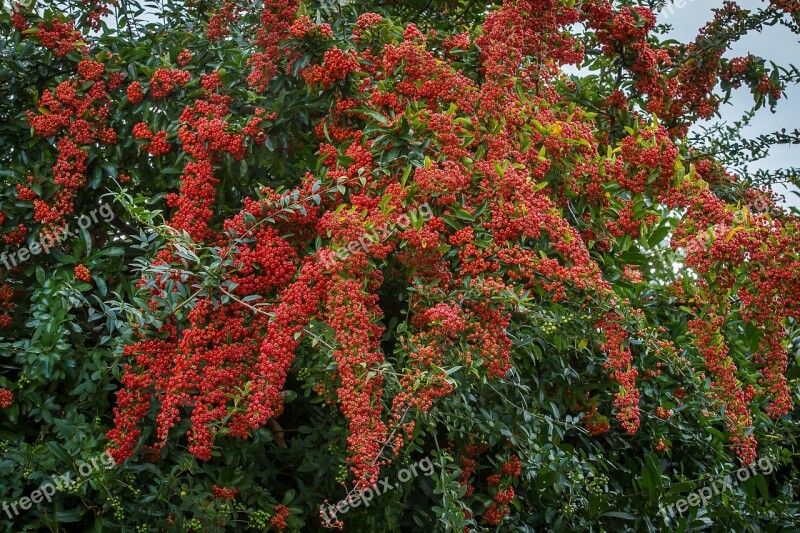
135	94
165	81
279	520
222	493
62	37
277	18
158	144
6	305
6	398
82	274
77	113
620	361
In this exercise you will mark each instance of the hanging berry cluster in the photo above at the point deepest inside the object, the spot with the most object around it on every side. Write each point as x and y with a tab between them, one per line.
76	114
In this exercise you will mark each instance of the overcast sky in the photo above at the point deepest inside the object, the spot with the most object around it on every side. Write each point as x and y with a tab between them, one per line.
776	44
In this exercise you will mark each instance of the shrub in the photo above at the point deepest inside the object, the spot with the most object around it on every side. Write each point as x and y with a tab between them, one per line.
262	257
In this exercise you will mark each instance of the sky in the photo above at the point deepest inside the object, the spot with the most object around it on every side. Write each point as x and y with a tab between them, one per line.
776	44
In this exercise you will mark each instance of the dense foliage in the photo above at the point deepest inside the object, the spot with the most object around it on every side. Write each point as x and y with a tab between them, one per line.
269	253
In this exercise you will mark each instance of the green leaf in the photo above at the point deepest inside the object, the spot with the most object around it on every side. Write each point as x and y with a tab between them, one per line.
619	514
